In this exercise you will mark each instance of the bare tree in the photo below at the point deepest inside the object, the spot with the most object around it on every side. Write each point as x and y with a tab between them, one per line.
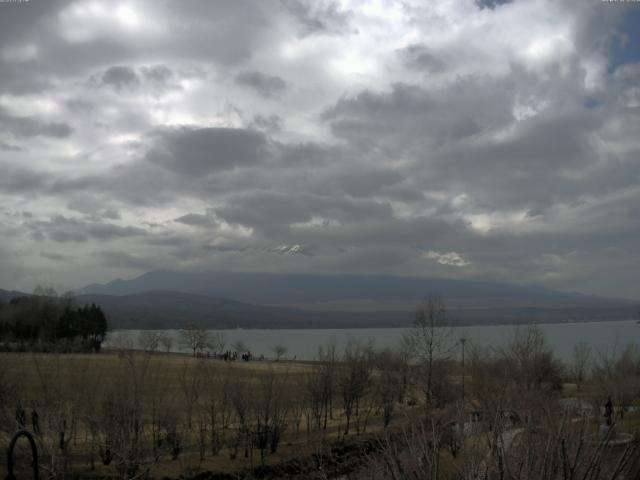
354	380
580	360
166	341
431	339
192	382
314	399
148	340
327	356
618	375
404	355
531	360
217	343
239	347
122	421
242	404
279	351
219	404
194	338
388	384
270	412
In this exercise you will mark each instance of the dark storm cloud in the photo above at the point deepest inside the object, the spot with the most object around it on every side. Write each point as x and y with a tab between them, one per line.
18	19
21	80
538	150
359	184
430	233
166	238
111	214
71	183
543	159
205	29
158	73
63	236
270	124
310	154
107	231
319	17
268	86
411	120
201	151
16	180
53	256
122	77
491	4
19	22
7	147
37	25
225	248
120	259
29	127
70	59
136	184
70	40
214	163
420	57
11	268
272	211
196	219
64	229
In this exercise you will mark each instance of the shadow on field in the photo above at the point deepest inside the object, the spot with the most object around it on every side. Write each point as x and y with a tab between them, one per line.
341	459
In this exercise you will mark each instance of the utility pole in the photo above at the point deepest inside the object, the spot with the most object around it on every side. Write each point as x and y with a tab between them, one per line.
462	342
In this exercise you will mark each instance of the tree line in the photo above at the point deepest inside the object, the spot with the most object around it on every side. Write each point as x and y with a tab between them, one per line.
46	322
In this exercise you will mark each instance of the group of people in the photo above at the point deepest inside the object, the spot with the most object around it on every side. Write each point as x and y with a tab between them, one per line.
232	356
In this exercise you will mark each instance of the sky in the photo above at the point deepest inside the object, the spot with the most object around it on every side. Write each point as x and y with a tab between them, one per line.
452	138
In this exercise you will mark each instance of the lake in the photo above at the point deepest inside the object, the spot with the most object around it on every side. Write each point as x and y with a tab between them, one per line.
303	343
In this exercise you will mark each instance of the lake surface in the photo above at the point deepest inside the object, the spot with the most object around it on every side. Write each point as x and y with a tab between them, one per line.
303	344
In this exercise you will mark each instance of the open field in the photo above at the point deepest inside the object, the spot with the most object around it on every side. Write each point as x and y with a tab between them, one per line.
179	413
130	414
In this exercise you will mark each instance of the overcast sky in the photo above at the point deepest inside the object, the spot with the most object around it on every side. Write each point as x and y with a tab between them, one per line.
457	138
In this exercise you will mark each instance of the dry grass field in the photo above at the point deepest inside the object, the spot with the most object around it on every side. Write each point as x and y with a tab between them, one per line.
130	414
166	414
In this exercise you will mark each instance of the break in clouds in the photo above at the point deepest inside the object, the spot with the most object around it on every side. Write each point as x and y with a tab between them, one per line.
487	139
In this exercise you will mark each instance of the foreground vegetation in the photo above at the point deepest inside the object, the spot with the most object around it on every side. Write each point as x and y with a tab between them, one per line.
415	412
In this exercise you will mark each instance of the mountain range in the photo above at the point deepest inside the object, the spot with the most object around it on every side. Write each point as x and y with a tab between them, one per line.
268	300
283	289
219	299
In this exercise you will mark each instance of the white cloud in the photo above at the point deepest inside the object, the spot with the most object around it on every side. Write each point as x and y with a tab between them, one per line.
452	259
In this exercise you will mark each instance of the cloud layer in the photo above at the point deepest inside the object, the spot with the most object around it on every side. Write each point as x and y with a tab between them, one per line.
484	139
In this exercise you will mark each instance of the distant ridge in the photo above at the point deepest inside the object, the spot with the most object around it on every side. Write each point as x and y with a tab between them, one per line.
6	295
167	309
219	299
288	289
160	309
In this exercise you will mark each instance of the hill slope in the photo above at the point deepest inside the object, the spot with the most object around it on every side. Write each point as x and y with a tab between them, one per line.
6	295
288	289
165	309
171	309
261	300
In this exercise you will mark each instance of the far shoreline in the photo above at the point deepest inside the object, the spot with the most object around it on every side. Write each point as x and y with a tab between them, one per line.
389	327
